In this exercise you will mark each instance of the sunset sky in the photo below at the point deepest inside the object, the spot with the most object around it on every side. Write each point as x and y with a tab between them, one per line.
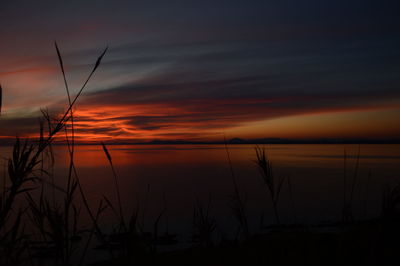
199	70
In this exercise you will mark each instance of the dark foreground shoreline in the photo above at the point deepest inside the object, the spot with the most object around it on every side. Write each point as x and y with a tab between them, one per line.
372	242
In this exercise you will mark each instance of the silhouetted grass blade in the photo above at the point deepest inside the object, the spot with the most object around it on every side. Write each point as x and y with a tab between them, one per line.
106	152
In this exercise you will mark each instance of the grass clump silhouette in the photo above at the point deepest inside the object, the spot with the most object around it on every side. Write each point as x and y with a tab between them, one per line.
52	220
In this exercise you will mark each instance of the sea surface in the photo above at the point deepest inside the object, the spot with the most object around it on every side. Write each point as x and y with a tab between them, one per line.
171	179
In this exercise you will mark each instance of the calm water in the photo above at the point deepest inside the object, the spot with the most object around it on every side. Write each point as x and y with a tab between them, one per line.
172	177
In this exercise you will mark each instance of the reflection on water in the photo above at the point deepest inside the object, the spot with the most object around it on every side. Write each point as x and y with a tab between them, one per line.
173	176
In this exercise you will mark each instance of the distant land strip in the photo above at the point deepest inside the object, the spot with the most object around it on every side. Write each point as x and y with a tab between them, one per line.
237	141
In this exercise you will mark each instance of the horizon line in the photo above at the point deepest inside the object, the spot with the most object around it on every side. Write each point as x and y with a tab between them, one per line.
235	141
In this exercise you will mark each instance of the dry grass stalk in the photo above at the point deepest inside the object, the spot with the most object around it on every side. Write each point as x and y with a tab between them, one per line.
274	185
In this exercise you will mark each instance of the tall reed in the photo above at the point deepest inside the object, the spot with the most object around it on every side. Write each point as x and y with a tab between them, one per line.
274	185
23	167
118	193
347	212
237	202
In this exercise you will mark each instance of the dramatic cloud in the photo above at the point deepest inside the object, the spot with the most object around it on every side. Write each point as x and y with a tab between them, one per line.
181	70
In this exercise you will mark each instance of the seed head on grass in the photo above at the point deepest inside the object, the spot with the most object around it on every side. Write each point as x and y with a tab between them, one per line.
109	158
274	185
